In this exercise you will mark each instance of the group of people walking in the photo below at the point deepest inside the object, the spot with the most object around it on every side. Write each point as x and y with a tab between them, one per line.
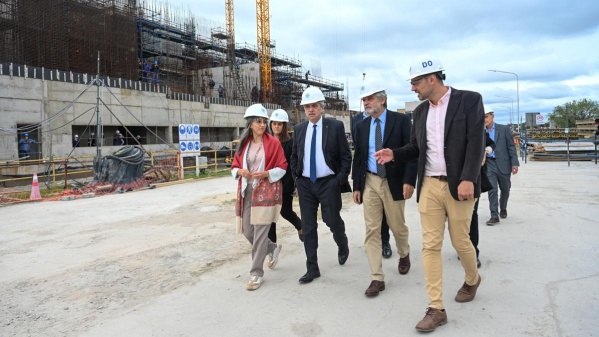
440	156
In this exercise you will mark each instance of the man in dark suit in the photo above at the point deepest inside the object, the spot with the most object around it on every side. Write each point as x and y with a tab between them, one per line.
320	164
382	188
447	139
501	164
385	237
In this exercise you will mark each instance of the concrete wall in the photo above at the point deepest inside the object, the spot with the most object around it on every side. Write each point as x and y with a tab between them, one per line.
31	101
25	101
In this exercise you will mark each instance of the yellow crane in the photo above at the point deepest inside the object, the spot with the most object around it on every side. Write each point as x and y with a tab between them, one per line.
263	28
230	32
263	32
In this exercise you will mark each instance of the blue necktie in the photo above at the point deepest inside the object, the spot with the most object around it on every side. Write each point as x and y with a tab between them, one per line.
313	156
378	144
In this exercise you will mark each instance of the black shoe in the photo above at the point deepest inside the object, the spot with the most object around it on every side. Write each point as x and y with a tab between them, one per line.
478	264
343	254
309	277
387	250
503	213
493	221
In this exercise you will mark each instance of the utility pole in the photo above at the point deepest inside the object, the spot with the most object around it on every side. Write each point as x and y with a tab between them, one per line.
98	150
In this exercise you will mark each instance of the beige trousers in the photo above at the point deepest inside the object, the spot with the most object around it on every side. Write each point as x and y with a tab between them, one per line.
377	198
435	206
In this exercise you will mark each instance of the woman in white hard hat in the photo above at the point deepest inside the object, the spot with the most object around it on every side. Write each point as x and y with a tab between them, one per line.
258	165
278	125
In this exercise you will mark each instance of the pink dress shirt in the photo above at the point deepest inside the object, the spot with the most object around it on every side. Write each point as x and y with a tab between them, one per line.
435	137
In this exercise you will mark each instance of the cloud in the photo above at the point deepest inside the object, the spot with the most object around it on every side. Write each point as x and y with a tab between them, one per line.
550	44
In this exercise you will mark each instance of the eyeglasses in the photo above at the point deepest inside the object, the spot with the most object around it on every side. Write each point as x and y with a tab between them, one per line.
416	80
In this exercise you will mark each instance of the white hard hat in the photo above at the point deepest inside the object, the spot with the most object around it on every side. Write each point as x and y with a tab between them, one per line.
117	131
489	109
425	65
256	110
370	89
279	115
312	95
76	136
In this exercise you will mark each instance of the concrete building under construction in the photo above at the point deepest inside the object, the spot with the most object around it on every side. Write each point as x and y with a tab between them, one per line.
130	34
50	50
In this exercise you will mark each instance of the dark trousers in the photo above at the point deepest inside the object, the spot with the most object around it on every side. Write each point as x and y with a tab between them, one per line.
325	192
288	214
501	182
385	230
474	227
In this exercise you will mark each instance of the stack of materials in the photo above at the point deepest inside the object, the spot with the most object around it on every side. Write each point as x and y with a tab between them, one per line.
557	151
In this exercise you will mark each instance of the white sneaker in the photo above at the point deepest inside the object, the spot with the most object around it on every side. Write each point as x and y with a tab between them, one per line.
274	258
254	282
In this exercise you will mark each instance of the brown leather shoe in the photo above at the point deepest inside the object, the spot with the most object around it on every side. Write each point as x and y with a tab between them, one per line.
467	292
374	288
432	319
404	265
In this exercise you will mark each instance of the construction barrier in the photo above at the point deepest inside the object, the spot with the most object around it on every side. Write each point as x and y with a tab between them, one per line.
72	178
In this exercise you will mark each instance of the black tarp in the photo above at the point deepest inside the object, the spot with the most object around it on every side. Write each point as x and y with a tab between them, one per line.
125	166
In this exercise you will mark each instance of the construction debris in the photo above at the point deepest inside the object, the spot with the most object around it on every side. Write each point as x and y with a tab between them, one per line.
558	151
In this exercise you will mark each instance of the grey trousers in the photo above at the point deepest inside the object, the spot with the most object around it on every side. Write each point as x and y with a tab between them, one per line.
501	182
257	235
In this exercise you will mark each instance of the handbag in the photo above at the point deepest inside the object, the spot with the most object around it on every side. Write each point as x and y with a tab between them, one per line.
485	185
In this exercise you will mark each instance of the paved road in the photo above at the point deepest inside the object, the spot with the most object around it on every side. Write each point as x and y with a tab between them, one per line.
540	268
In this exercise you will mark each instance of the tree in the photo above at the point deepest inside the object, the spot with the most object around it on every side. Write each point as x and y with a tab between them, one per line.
576	110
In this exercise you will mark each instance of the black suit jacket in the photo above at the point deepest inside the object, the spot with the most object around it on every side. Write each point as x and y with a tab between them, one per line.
334	147
396	134
464	141
357	118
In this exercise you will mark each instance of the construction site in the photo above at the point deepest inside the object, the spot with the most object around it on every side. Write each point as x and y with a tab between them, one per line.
116	221
77	76
130	34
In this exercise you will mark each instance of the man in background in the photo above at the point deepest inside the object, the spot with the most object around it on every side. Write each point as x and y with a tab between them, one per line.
25	145
501	164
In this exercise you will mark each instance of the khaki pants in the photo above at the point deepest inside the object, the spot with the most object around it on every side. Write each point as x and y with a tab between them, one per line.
377	197
435	206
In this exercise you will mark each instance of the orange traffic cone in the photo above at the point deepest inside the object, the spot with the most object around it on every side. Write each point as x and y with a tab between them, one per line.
35	189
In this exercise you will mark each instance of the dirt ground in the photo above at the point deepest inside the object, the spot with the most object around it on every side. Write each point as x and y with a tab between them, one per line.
166	262
67	265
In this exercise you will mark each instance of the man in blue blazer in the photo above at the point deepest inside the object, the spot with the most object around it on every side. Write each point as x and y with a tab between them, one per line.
501	164
320	165
447	139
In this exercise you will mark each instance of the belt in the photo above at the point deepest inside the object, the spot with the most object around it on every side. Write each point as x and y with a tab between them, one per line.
442	178
490	158
368	171
321	178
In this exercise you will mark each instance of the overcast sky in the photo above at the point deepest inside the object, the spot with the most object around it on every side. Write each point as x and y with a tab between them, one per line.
553	46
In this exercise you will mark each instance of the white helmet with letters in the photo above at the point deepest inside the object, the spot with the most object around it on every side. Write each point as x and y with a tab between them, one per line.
425	65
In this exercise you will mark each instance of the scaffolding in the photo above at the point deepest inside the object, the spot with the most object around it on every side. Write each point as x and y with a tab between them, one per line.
67	34
146	40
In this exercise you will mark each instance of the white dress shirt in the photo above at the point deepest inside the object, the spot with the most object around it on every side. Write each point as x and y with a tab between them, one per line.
322	169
